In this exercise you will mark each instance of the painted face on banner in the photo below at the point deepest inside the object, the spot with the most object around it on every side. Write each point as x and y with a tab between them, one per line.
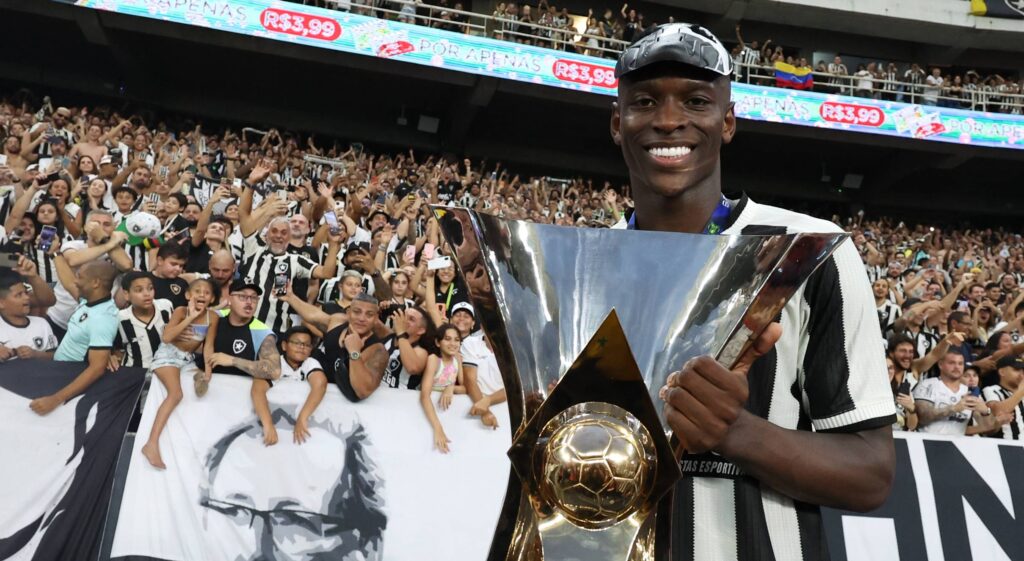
289	517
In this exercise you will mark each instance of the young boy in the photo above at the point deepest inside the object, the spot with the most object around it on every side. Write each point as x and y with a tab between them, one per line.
298	366
140	325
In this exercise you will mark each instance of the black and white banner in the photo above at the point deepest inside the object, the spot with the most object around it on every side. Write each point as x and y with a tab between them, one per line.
57	470
366	486
954	499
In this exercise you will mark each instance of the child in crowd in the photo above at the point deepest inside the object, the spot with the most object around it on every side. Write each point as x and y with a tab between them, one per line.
176	353
296	366
442	374
141	325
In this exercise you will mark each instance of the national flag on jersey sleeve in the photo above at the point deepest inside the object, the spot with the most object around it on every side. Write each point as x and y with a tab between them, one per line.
57	469
998	8
789	76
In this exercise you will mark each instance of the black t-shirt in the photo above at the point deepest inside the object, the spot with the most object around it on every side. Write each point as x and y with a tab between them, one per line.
336	359
199	258
242	341
446	190
171	289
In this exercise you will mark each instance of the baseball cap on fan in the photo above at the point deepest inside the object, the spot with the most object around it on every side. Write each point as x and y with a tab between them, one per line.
683	43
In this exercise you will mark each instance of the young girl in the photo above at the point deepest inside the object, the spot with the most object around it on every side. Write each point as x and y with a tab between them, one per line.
442	374
175	354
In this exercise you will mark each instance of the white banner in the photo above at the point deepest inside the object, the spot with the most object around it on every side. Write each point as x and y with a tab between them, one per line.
366	485
954	499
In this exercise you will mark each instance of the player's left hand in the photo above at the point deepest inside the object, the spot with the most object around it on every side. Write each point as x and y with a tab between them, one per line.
704	399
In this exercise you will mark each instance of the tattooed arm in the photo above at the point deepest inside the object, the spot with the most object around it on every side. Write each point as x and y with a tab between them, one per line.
365	374
267	365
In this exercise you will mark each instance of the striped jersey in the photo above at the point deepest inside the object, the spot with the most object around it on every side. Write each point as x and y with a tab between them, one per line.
827	373
888	313
260	266
1015	428
140	339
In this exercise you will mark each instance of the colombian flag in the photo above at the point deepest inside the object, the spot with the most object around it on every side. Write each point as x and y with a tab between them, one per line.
789	76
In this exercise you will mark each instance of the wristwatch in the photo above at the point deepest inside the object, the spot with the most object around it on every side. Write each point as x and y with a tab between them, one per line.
353	355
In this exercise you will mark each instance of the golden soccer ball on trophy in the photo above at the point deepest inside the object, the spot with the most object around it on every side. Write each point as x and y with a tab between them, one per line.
597	468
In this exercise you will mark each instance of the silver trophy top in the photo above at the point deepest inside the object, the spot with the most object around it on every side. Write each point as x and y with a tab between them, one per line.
541	292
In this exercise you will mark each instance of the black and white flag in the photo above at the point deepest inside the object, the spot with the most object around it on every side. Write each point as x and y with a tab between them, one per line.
57	470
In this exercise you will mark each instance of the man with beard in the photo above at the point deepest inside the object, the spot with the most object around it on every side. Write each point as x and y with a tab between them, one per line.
819	368
57	127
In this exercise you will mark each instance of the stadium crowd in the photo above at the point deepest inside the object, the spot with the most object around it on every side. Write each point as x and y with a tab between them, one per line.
128	241
605	34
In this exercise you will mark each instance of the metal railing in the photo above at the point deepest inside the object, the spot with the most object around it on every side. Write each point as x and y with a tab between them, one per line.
502	27
980	97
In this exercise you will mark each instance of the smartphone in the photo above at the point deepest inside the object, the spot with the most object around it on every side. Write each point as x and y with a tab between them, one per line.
339	207
410	253
332	223
381	198
282	195
904	388
281	284
975	391
3	159
437	263
46	236
237	183
428	251
9	259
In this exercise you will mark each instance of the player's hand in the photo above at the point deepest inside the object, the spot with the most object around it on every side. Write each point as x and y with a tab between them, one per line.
704	399
44	405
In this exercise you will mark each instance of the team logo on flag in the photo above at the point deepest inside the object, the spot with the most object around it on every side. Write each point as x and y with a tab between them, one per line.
238	346
1015	5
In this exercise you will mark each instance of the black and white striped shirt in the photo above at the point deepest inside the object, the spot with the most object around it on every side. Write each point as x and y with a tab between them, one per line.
141	339
888	313
827	373
260	266
1015	428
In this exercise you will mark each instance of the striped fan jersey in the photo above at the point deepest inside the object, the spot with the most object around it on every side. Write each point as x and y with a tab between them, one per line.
1014	430
260	266
139	339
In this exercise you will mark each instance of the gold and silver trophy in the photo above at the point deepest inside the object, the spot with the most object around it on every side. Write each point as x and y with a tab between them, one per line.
586	325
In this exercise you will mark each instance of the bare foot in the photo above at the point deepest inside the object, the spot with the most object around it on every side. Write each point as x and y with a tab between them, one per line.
152	453
202	383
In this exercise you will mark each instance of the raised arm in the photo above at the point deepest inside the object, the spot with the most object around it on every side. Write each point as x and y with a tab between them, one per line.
311	313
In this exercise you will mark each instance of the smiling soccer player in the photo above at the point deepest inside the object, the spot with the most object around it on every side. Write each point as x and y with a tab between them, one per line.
805	419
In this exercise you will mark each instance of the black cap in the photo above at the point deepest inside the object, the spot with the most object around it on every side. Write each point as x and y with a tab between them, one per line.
239	285
1012	361
685	43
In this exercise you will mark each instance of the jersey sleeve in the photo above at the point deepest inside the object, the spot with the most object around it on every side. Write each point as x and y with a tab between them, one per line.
846	379
251	245
925	391
991	393
302	266
470	354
